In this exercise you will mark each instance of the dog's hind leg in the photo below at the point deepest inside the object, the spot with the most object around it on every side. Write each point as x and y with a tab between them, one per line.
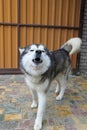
57	87
34	102
62	82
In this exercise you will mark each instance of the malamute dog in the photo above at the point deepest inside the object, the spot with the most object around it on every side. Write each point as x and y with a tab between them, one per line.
41	67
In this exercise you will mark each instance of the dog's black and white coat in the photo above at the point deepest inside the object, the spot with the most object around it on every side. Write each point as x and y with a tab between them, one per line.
41	67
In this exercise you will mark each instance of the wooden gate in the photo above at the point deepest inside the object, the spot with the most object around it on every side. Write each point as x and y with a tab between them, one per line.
23	22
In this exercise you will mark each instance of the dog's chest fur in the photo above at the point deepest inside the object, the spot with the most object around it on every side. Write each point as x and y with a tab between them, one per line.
35	84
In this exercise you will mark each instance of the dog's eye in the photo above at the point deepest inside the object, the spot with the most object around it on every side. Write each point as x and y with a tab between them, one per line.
43	51
31	50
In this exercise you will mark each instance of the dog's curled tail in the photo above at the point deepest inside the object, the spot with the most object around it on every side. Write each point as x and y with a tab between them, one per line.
73	45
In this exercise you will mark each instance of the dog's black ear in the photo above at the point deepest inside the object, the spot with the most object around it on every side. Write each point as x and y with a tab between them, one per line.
21	50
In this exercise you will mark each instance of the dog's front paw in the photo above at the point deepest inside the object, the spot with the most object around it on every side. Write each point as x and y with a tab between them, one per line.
59	98
38	125
34	105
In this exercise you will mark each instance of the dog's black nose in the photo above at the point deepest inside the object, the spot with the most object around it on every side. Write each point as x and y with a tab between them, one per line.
38	51
37	59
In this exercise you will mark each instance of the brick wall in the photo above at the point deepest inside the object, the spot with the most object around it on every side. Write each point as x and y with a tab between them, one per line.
83	54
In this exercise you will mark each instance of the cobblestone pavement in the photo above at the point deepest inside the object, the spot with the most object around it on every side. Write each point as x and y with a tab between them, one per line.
68	114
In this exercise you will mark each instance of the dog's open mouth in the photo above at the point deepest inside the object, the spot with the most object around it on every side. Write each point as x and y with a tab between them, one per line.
37	60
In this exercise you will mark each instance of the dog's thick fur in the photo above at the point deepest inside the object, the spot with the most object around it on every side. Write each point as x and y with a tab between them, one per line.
41	67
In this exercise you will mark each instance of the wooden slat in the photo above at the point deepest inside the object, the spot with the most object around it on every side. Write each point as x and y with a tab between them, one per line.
7	46
51	21
58	12
51	12
44	12
23	37
56	39
44	20
37	20
1	36
7	10
14	39
36	36
7	34
1	48
37	11
23	11
29	35
14	48
58	20
65	12
72	12
23	33
64	22
14	11
50	39
30	20
30	11
44	36
1	10
77	15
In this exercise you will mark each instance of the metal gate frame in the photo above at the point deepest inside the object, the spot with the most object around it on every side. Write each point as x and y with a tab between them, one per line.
18	25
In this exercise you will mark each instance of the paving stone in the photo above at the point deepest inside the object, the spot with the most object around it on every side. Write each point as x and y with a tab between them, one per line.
8	125
13	117
1	117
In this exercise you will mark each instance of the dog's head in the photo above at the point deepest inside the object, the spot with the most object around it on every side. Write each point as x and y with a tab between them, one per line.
35	59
